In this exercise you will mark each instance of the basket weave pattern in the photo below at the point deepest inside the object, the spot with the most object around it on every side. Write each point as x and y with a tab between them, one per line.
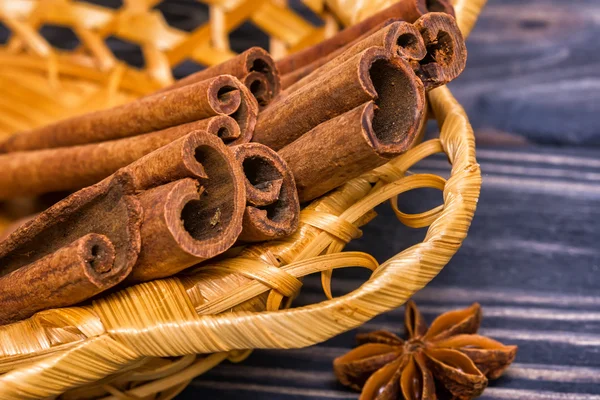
90	77
116	347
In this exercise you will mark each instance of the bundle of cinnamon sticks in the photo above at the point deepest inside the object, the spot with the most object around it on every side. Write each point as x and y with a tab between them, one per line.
221	157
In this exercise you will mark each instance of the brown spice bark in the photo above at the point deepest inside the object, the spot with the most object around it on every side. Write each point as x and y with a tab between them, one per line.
363	138
434	46
246	116
366	76
216	96
446	51
108	208
406	10
193	207
70	275
400	38
254	67
272	207
42	171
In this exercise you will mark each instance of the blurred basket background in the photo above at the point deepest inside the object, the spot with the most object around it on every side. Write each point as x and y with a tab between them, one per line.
153	354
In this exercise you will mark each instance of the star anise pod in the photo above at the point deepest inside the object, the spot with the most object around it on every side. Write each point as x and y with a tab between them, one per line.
449	353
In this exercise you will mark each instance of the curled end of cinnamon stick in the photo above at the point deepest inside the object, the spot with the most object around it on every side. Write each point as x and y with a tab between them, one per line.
259	62
223	96
406	41
437	6
446	51
189	220
272	201
391	122
210	219
168	163
259	87
246	115
71	274
225	128
98	256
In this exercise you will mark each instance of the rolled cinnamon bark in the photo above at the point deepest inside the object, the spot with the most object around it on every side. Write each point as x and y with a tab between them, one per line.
216	96
108	208
400	38
254	67
185	223
434	46
363	139
246	116
70	275
261	89
366	76
406	10
42	171
446	51
272	207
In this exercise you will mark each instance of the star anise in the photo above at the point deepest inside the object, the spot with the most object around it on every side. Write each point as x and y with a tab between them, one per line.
449	353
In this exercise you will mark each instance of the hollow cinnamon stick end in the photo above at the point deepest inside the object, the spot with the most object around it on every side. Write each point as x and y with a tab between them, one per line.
261	62
246	115
406	41
223	94
435	6
98	256
225	128
213	221
260	87
446	51
391	132
186	222
273	207
67	276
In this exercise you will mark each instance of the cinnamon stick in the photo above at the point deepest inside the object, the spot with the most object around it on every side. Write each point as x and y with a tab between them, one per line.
215	96
406	10
434	46
272	207
363	139
108	208
42	171
254	67
364	77
193	207
246	116
70	275
446	51
400	38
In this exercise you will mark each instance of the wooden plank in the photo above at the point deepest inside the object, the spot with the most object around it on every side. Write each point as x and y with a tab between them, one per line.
534	71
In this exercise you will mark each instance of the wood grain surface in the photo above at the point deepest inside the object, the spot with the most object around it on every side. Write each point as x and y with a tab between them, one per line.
534	70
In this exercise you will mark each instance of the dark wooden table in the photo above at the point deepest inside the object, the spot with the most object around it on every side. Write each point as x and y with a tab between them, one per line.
534	71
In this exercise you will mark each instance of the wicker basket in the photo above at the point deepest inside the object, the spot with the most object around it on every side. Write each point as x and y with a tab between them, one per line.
144	341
